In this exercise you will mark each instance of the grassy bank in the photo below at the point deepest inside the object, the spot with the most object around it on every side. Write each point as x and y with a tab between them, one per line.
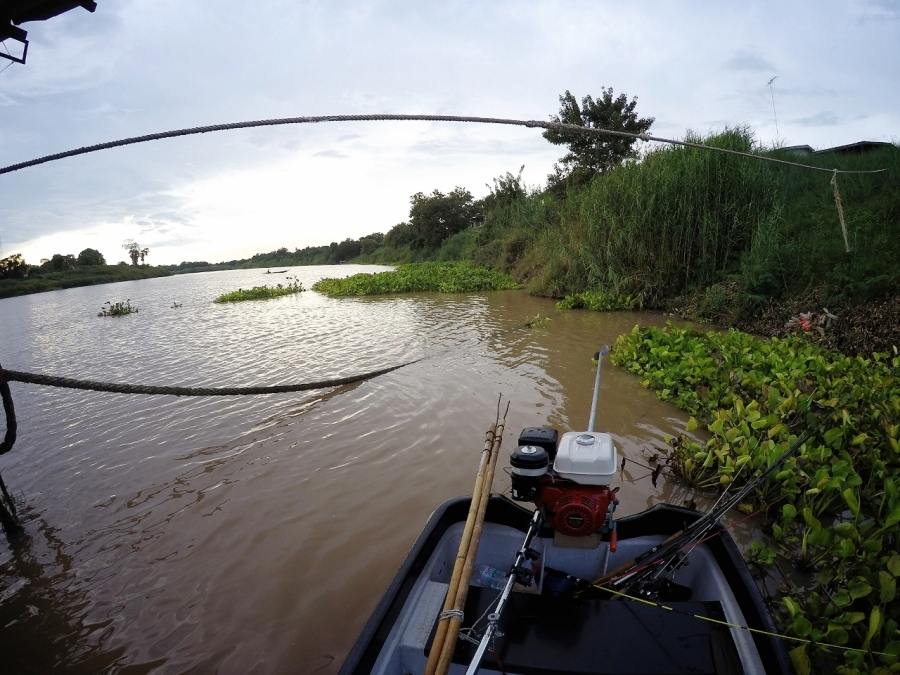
834	510
440	277
85	276
684	219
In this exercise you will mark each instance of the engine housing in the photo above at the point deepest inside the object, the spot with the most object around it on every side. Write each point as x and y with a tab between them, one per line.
575	510
568	478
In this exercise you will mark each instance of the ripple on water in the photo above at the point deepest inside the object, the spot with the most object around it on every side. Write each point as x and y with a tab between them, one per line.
258	532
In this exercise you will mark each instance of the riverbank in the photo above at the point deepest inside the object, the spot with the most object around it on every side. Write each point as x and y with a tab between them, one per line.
708	236
38	282
854	327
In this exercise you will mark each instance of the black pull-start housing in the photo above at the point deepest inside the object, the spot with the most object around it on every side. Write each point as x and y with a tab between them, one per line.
529	465
543	437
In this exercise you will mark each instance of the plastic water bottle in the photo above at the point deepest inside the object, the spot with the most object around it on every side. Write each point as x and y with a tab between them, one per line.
489	577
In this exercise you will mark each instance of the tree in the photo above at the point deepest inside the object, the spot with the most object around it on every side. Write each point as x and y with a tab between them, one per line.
60	262
592	154
399	235
91	256
13	267
370	242
344	251
437	216
135	252
506	189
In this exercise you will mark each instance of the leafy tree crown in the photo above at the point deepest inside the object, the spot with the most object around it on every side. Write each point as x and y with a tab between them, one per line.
591	154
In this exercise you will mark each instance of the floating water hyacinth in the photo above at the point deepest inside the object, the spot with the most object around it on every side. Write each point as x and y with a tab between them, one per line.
117	308
834	510
292	286
415	277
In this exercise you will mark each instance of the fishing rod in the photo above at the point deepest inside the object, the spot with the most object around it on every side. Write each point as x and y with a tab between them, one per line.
678	560
518	573
641	567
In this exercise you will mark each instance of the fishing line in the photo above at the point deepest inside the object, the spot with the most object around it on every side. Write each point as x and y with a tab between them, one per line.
722	622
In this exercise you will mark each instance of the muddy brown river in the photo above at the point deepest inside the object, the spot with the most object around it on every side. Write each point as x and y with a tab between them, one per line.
255	534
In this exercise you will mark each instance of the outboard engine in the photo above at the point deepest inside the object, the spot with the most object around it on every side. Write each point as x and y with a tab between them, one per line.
574	492
568	477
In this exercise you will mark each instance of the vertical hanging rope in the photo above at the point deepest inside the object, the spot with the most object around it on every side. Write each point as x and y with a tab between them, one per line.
9	438
840	209
8	517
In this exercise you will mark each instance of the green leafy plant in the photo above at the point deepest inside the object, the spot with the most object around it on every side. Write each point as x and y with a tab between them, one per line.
538	321
292	286
598	301
838	517
117	308
440	277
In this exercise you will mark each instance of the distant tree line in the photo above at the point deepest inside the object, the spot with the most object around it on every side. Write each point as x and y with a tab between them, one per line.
15	267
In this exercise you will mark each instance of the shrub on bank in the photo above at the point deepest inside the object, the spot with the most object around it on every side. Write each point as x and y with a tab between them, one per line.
838	501
440	277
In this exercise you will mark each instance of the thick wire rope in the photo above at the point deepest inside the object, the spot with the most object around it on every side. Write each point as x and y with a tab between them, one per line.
318	119
120	388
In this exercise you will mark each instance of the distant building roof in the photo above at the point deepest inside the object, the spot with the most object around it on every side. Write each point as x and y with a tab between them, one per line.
858	147
798	149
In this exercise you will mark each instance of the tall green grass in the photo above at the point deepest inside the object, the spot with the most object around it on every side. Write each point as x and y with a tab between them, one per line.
681	219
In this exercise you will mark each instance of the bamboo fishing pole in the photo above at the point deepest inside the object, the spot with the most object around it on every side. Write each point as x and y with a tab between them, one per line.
464	545
462	589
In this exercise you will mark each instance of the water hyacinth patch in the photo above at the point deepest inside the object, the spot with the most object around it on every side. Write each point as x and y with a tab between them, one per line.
834	509
417	277
117	308
292	286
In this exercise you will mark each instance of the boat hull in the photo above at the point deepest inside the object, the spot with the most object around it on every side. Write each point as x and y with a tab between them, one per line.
600	636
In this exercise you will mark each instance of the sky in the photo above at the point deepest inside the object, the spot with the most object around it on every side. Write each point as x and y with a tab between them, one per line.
139	66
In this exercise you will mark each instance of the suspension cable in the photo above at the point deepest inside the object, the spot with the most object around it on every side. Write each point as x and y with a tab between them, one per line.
383	117
120	388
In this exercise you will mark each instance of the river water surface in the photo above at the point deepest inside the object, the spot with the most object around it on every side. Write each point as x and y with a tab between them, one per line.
255	534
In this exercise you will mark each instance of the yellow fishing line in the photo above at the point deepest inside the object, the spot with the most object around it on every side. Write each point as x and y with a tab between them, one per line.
739	626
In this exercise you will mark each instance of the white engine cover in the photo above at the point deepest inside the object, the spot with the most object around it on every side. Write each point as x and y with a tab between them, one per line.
587	457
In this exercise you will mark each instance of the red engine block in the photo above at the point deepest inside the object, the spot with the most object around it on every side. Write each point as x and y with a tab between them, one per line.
575	510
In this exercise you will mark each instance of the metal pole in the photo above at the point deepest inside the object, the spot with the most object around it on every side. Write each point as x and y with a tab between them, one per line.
494	617
774	114
604	350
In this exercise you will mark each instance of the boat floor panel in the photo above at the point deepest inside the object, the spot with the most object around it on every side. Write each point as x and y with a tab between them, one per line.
546	635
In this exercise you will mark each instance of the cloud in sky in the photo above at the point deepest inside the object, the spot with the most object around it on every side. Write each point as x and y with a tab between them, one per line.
137	66
825	118
746	59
